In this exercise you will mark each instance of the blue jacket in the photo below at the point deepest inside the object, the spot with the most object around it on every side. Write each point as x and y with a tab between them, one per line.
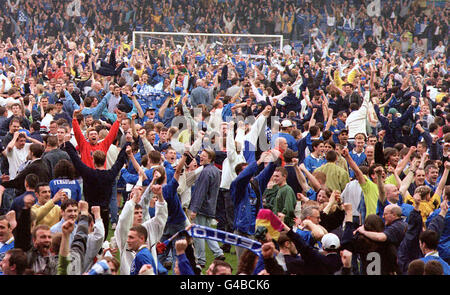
409	249
393	129
444	241
245	199
184	265
144	256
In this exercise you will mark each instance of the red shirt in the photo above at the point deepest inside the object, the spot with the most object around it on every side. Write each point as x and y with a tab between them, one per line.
86	148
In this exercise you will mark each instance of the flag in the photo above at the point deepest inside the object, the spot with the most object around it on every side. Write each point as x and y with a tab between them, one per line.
374	8
268	219
22	17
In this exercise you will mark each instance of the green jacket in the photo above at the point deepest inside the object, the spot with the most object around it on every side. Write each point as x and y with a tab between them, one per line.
285	202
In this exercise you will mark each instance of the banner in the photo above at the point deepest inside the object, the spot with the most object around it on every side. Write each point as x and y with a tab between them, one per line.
374	8
204	232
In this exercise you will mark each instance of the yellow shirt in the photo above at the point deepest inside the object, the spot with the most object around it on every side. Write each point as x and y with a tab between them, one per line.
176	99
370	190
48	214
139	72
426	207
391	179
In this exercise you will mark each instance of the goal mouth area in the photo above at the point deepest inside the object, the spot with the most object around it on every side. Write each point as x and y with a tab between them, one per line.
241	41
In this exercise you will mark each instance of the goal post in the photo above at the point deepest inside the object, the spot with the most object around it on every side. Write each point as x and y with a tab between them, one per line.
239	40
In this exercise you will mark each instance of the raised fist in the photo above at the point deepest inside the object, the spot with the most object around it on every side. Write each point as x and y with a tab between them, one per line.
180	246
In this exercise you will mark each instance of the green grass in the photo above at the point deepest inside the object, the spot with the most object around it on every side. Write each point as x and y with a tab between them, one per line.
231	257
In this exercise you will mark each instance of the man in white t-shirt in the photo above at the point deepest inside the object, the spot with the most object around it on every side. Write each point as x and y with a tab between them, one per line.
16	152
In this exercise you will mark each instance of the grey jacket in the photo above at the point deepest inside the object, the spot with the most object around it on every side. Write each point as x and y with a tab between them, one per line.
73	265
51	158
204	196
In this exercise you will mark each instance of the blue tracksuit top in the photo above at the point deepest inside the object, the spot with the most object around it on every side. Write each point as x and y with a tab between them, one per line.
244	196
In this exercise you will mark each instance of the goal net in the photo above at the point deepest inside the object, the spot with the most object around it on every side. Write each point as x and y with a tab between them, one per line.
246	43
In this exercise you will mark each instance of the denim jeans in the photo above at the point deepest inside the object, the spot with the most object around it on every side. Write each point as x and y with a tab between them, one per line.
113	208
170	230
199	244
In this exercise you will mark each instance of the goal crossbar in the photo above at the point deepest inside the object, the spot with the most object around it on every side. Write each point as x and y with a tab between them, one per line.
208	35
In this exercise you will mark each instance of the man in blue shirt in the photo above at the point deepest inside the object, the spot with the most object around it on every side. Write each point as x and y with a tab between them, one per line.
428	241
357	153
315	159
137	241
200	95
395	227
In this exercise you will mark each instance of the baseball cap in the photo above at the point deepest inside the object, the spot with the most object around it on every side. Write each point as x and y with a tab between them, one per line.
59	101
330	242
286	123
343	131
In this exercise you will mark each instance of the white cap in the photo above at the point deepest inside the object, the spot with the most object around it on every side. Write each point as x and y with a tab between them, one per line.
330	242
286	123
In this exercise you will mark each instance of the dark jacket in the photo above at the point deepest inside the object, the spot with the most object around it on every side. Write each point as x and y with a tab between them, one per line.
393	128
38	167
289	103
97	184
204	196
315	262
23	240
359	244
63	115
409	249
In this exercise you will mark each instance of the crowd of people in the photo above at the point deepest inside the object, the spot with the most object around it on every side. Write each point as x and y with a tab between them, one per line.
331	154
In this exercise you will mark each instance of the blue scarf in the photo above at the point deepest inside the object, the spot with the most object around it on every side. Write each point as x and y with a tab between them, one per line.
204	232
